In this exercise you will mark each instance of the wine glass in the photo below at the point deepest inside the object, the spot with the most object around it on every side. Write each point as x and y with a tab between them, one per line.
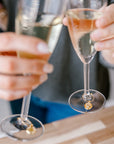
43	19
81	18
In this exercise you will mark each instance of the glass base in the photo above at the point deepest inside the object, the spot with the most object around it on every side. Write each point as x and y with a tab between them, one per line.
22	129
89	102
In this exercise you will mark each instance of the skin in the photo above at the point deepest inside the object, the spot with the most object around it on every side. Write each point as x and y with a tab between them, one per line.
104	34
14	87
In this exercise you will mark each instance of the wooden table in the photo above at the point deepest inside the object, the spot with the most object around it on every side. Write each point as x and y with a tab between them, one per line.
94	128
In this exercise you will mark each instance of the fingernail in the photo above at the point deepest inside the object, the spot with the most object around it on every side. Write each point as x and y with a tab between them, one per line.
95	35
97	23
100	22
48	68
43	78
43	48
98	46
34	87
21	93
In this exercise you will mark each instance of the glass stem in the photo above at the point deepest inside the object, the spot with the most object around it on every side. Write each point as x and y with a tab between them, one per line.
25	106
86	78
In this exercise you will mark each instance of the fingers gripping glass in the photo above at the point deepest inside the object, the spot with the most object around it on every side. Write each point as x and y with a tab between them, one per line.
42	19
81	22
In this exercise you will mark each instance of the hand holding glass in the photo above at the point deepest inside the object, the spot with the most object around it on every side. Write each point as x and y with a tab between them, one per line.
81	22
39	18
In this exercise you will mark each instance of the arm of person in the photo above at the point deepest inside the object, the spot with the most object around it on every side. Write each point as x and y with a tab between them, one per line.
13	84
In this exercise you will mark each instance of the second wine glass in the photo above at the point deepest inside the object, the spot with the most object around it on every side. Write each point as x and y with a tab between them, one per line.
42	19
81	22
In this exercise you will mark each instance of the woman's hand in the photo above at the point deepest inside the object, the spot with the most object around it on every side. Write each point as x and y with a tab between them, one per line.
13	85
104	34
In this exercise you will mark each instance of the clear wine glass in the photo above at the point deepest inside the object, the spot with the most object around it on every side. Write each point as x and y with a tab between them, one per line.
43	19
81	17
